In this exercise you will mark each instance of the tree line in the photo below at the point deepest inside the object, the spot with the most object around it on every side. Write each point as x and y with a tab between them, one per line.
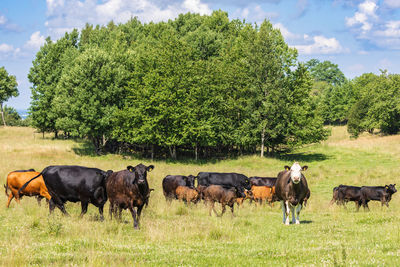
196	85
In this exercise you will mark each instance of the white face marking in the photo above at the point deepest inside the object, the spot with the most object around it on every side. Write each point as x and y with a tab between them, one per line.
295	173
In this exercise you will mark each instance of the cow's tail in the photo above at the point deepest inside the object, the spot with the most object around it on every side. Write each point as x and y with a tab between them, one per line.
26	184
6	190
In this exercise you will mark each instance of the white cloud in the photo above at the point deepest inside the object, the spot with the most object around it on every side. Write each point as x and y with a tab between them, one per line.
36	41
286	33
321	45
393	3
254	13
5	48
3	20
392	29
66	15
365	16
385	64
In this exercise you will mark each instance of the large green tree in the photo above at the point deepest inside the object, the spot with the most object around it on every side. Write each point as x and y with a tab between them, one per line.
8	88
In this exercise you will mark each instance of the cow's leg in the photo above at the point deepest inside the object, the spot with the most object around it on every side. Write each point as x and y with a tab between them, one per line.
52	206
139	212
84	205
10	197
111	209
223	209
298	209
133	212
284	211
287	213
293	211
39	199
119	213
233	215
101	207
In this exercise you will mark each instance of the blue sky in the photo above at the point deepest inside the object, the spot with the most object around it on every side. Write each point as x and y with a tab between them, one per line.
358	35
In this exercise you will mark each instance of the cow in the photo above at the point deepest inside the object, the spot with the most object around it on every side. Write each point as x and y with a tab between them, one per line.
248	195
347	193
335	196
75	184
171	182
227	180
187	194
291	189
128	189
217	193
378	193
16	179
263	193
262	181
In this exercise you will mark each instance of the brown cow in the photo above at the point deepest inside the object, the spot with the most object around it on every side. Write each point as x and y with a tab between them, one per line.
291	189
248	195
128	189
263	193
187	194
16	179
217	193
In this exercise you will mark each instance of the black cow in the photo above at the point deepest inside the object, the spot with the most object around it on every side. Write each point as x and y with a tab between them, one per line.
292	190
74	184
262	181
171	182
227	180
379	193
128	189
347	193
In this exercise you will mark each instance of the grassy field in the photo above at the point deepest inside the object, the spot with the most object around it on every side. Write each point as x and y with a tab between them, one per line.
180	235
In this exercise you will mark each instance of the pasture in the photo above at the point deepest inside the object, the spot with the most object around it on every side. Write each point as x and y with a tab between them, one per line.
179	235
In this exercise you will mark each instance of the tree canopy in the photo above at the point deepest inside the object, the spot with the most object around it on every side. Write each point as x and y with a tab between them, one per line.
8	88
196	84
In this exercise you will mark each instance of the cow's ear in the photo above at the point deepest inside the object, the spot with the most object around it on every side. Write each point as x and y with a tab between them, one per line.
287	168
151	189
304	168
386	186
150	168
130	168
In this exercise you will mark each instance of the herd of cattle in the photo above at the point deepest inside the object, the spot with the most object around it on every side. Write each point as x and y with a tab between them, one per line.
129	189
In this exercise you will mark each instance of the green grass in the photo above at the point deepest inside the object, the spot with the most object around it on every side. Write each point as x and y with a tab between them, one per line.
179	235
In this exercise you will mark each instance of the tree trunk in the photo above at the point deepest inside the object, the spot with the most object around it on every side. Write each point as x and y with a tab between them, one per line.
152	152
172	151
262	142
195	152
2	114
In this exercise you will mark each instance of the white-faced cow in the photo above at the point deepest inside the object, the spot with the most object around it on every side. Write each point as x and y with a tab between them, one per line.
292	190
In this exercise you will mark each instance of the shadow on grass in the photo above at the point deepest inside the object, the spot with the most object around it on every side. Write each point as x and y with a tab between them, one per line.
303	157
306	222
86	148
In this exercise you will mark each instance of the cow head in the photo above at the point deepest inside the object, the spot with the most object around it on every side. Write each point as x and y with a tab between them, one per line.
190	181
246	183
295	172
240	192
391	189
140	172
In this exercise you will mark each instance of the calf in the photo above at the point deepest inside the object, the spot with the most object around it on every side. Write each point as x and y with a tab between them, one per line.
378	193
187	194
347	193
248	195
263	193
16	179
129	189
171	182
217	193
292	190
262	181
74	184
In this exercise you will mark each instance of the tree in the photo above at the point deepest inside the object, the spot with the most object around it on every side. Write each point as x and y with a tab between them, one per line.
44	75
89	93
8	88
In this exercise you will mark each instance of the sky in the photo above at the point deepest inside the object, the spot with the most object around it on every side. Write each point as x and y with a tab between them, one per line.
359	35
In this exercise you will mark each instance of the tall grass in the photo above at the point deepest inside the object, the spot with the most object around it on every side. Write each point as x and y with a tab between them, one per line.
179	235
